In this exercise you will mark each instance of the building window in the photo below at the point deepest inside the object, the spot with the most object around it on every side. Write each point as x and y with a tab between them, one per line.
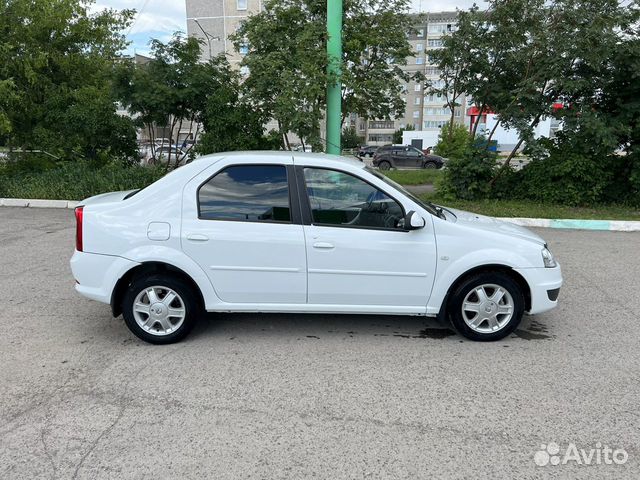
417	101
416	114
434	123
434	42
421	32
379	124
417	87
242	4
432	71
419	60
419	47
381	137
244	48
250	193
244	71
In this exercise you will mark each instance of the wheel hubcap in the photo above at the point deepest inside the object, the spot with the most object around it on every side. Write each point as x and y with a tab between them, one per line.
487	308
159	310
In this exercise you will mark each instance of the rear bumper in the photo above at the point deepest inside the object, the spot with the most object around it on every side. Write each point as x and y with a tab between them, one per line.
96	275
545	284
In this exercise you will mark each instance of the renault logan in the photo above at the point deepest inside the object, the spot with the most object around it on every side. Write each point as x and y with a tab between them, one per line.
297	232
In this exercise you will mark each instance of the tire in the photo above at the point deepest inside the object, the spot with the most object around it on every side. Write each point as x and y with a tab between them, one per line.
486	320
384	165
430	165
163	328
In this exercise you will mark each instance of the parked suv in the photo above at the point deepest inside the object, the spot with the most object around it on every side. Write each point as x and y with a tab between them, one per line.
302	233
404	156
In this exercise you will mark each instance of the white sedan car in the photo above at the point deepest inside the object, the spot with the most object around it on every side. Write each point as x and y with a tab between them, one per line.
298	232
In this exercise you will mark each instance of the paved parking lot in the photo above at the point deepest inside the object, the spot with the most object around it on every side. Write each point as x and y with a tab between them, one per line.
323	396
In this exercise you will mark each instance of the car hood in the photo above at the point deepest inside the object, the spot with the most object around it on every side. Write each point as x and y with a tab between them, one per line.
482	222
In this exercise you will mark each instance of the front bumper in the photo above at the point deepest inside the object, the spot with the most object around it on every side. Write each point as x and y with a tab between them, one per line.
96	275
542	283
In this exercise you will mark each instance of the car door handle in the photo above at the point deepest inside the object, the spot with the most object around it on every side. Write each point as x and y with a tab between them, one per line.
197	237
323	245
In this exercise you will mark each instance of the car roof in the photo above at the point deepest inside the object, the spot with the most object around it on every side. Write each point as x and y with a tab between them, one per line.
257	156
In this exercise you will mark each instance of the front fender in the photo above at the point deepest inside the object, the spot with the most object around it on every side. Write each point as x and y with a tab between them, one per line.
449	270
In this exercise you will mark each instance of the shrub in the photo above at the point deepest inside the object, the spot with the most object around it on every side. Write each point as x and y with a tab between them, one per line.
74	180
469	177
455	144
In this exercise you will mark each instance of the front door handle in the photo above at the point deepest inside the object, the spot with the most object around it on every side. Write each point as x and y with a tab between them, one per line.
323	245
197	237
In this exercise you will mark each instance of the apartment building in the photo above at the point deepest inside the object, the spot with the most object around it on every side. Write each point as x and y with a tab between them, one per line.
423	111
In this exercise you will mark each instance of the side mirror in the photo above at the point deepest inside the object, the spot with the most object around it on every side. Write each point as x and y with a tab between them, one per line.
413	221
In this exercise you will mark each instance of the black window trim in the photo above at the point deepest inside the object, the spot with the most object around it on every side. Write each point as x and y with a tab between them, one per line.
305	203
294	206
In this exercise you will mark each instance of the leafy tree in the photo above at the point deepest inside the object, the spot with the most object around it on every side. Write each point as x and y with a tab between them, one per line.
350	138
55	67
287	61
454	141
397	135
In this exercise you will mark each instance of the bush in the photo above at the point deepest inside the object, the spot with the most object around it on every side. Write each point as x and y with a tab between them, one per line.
455	144
469	177
74	180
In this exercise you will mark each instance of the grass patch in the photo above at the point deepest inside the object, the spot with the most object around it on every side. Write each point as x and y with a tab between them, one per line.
74	180
524	208
414	177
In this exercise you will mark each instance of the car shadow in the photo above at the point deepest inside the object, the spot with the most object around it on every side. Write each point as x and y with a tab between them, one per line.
315	326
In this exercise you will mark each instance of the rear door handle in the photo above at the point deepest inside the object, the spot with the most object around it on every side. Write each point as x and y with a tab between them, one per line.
197	237
323	245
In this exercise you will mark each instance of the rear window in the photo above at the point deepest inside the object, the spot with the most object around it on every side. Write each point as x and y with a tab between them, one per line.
250	193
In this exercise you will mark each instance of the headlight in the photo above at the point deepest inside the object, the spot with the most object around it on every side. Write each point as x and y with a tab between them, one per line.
547	258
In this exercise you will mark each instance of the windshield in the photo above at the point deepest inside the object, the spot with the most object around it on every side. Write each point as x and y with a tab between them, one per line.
428	206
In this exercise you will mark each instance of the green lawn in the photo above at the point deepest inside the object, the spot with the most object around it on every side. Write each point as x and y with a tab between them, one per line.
414	177
528	209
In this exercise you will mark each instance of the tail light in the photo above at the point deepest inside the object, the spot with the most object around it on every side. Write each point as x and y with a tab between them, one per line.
79	213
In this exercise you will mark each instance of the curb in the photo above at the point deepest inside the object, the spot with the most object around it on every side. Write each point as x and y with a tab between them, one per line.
37	203
603	225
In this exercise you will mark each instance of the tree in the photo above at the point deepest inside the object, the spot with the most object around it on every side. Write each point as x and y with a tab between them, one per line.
350	138
287	61
397	135
454	141
172	89
55	68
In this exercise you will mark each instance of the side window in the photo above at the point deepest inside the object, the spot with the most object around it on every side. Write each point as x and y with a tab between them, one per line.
412	152
338	198
253	193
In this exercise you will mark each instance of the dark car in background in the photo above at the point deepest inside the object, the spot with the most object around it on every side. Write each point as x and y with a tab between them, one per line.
405	156
367	151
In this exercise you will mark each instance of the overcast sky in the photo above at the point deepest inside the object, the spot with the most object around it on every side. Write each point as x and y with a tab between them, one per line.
160	18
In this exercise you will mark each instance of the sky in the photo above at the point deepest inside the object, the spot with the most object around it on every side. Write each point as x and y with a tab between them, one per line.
161	18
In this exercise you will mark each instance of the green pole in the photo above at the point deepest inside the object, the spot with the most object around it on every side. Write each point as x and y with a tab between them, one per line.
334	87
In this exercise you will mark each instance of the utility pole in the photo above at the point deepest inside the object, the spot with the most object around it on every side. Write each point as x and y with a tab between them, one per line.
207	35
334	87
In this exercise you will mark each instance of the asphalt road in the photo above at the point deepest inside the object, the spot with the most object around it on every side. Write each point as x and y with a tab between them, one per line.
302	396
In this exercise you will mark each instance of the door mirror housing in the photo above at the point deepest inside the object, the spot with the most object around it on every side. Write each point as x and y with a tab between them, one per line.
412	221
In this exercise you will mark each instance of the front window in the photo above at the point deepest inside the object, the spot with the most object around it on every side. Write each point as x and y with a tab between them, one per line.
251	193
242	4
340	199
428	206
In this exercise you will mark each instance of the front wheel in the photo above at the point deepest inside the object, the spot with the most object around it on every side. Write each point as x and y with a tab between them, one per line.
384	165
487	306
430	165
160	309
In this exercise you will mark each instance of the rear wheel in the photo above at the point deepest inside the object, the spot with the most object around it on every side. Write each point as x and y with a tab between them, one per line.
487	306
160	309
384	165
